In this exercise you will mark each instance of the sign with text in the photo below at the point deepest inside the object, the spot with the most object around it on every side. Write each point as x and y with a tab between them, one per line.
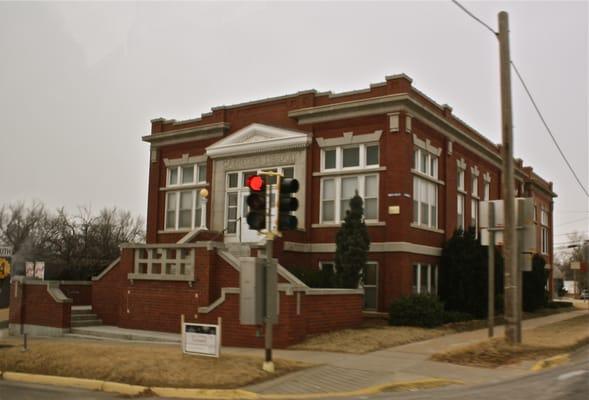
525	226
6	251
201	339
29	269
40	270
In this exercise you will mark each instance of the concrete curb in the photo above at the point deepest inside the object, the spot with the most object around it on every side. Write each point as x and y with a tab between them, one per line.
185	393
78	383
371	390
88	384
551	362
221	394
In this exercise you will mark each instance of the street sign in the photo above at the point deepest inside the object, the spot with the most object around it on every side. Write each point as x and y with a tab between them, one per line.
575	264
40	270
526	229
6	251
201	339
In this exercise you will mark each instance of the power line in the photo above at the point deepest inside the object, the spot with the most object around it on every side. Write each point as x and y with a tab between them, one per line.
548	129
474	17
572	222
531	99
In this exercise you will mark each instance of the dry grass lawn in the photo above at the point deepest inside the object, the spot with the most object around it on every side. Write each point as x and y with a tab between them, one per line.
538	343
363	340
139	364
377	335
3	314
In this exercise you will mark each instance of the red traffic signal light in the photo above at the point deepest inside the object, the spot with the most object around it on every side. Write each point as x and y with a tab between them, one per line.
256	200
256	183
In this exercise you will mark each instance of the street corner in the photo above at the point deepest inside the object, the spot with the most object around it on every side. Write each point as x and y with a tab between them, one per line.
551	362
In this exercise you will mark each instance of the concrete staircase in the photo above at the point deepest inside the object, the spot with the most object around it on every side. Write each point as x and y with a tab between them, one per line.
239	249
83	316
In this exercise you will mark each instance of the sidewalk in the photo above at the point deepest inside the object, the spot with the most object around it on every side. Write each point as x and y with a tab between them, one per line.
347	372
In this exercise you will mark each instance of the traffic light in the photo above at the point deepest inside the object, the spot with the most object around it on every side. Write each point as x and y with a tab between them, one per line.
287	204
256	218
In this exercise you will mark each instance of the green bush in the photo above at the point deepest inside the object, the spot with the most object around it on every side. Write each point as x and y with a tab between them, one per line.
463	276
315	278
534	285
417	310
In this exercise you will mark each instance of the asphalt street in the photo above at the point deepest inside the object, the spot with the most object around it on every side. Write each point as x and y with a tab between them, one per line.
567	382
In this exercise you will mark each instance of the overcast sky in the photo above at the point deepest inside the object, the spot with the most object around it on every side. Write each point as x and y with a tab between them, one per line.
79	82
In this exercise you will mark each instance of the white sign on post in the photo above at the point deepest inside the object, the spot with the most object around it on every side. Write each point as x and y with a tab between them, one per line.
40	270
29	269
6	251
575	265
201	339
526	229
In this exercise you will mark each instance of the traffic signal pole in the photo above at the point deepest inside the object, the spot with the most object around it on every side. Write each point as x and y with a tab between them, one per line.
268	365
512	309
283	205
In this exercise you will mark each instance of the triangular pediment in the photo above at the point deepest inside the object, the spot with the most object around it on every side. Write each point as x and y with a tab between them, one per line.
257	138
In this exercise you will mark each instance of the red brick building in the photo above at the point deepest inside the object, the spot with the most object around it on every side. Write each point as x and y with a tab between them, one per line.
421	172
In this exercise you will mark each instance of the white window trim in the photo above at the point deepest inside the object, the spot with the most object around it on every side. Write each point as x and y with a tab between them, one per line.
180	172
240	188
375	285
429	267
195	199
339	157
418	223
321	263
460	224
337	197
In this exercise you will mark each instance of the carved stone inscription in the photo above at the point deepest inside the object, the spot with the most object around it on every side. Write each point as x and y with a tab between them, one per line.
260	161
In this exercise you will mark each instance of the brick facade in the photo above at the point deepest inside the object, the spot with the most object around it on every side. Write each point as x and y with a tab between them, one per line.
327	116
157	305
32	304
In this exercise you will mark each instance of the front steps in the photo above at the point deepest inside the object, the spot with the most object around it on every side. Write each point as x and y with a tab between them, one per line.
239	249
83	316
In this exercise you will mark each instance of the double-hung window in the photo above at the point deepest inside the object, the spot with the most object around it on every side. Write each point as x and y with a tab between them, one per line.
336	193
342	183
183	202
474	203
425	279
486	189
425	188
460	197
236	185
544	231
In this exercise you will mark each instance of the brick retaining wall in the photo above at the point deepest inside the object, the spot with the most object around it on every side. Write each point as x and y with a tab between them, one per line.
158	305
41	313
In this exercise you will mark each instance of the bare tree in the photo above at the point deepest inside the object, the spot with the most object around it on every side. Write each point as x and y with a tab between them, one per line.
78	245
19	224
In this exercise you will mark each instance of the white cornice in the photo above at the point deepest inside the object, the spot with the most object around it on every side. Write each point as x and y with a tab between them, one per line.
265	138
349	138
375	247
395	103
187	135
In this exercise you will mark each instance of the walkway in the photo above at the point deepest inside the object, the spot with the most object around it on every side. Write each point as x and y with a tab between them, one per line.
344	372
338	372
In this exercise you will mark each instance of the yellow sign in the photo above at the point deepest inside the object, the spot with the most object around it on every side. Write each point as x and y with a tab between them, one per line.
4	268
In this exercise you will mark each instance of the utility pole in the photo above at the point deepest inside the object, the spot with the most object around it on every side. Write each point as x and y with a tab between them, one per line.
512	274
